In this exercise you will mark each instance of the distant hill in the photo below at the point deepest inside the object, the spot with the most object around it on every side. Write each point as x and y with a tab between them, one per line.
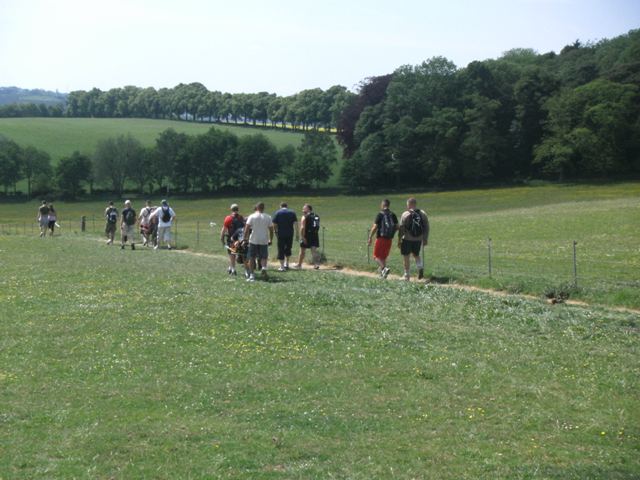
11	95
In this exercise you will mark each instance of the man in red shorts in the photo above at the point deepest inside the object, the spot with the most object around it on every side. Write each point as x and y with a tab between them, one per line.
384	227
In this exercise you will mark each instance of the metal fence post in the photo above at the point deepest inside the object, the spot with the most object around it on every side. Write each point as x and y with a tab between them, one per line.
323	229
83	223
575	265
175	240
490	262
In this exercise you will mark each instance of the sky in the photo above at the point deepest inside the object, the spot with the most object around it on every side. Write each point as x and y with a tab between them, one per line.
279	46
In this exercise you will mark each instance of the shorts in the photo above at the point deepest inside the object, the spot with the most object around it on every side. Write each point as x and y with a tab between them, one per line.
382	248
312	241
259	251
110	228
129	231
52	224
408	247
44	222
284	247
164	234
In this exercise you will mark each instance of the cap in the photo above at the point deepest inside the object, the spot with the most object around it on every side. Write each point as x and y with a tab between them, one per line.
164	202
127	202
234	206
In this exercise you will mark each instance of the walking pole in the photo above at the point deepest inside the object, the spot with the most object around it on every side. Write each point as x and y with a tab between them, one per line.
368	248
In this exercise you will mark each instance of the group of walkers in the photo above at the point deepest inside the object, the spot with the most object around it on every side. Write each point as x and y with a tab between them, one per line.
247	240
47	219
154	222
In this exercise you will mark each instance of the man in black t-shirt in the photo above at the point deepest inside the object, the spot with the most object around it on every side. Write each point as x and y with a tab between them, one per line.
309	227
128	226
384	228
285	222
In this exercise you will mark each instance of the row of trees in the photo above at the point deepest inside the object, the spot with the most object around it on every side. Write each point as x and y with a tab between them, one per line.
177	162
14	110
524	115
308	109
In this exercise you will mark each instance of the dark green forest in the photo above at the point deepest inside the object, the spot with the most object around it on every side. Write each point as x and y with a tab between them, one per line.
525	115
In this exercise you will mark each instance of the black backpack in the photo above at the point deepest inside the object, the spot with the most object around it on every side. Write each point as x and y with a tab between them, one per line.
313	223
414	223
166	214
112	215
130	216
387	225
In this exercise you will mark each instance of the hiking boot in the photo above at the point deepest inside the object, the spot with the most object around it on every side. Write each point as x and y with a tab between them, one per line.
405	277
316	267
385	272
420	273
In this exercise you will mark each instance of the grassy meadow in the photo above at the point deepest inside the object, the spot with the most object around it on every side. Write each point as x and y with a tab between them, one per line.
62	136
532	231
155	364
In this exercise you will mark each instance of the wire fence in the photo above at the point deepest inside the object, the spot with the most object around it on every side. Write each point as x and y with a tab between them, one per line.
535	261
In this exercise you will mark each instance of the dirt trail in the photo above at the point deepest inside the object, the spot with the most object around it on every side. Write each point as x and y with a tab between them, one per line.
466	288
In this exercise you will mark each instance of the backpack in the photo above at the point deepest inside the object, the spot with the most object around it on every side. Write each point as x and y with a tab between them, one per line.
112	215
313	223
237	221
387	225
414	223
166	214
130	217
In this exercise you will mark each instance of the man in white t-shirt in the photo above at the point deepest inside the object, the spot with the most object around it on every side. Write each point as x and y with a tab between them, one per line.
166	217
259	230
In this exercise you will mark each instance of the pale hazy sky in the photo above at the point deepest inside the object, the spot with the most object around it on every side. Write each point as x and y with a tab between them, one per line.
277	46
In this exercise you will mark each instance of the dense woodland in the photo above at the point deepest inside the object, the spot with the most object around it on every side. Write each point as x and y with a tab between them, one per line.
571	115
523	116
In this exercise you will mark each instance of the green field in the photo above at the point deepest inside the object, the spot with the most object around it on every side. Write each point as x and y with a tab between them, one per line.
62	136
155	364
532	231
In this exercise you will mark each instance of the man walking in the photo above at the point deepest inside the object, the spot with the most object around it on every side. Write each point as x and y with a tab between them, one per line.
384	228
111	215
259	231
43	218
309	228
414	233
232	223
285	223
128	226
166	216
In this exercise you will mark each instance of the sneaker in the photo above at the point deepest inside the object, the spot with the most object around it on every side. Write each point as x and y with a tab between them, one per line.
316	267
229	270
385	272
296	266
156	247
233	272
405	277
251	278
133	247
122	247
246	275
420	273
282	269
286	266
109	242
169	247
